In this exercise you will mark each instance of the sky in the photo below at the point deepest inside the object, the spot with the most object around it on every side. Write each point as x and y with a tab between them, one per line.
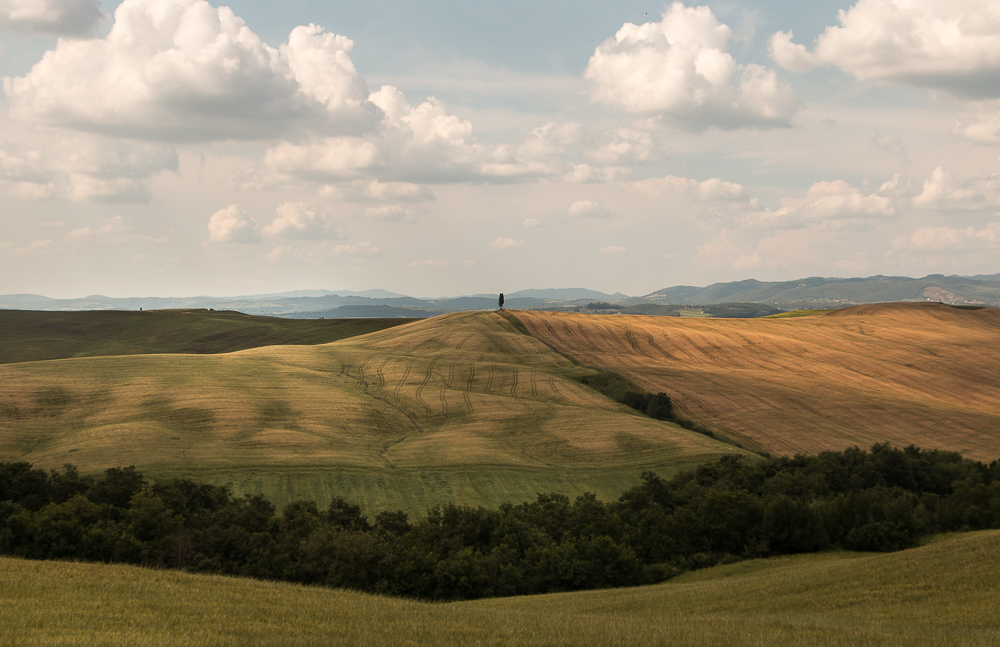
181	147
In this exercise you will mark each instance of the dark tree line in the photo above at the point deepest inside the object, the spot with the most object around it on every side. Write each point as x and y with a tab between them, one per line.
879	500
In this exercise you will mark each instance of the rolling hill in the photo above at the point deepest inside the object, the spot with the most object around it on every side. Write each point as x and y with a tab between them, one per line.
924	374
462	408
32	335
939	594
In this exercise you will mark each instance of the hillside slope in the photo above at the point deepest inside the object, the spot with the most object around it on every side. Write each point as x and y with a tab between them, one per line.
939	594
924	374
28	336
461	408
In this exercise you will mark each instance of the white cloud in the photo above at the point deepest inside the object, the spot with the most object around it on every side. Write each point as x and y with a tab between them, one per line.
612	249
34	248
951	240
585	174
184	70
589	209
387	213
624	146
231	225
710	190
981	123
679	68
81	168
506	243
942	190
357	249
300	220
531	223
836	203
947	44
890	144
63	17
427	263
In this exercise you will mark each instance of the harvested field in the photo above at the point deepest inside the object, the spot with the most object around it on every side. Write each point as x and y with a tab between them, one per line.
461	408
923	374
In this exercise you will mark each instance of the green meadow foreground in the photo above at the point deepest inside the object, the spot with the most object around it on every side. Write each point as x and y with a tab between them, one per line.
945	593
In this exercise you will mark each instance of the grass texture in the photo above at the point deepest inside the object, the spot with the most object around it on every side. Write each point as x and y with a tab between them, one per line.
462	408
923	374
940	594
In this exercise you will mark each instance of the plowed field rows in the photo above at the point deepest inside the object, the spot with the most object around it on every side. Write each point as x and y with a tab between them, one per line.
459	408
924	374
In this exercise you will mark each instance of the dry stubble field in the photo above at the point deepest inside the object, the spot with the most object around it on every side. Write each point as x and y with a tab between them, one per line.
462	408
923	374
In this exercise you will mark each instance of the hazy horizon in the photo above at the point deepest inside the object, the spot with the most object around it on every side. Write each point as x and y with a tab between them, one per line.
185	147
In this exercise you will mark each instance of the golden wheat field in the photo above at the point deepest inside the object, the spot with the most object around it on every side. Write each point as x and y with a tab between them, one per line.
940	594
462	408
923	374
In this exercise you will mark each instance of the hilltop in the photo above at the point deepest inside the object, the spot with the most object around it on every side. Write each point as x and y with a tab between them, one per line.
463	408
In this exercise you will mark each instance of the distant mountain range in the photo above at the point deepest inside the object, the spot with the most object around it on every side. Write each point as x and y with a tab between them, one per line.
819	292
813	292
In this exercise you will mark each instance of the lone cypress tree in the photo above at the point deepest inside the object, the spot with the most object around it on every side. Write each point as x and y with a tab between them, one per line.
500	301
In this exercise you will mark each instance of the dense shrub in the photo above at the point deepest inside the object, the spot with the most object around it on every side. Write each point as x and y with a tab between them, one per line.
880	500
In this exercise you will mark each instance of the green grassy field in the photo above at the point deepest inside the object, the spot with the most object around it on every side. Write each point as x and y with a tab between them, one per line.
462	408
945	593
27	336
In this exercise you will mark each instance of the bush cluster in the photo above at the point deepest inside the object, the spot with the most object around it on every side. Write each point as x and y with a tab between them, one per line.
879	500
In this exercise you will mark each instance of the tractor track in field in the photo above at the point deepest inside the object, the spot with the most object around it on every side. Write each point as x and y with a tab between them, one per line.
423	384
468	387
406	374
380	385
489	379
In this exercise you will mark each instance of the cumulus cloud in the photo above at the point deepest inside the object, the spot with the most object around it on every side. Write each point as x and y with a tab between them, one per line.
506	243
589	209
835	203
357	249
710	190
414	145
81	169
951	240
624	146
332	158
531	223
300	220
679	69
612	249
587	174
981	123
231	225
62	17
387	213
184	70
942	190
947	44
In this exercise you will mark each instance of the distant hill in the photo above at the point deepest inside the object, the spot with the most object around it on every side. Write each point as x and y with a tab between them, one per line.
30	336
807	293
833	292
